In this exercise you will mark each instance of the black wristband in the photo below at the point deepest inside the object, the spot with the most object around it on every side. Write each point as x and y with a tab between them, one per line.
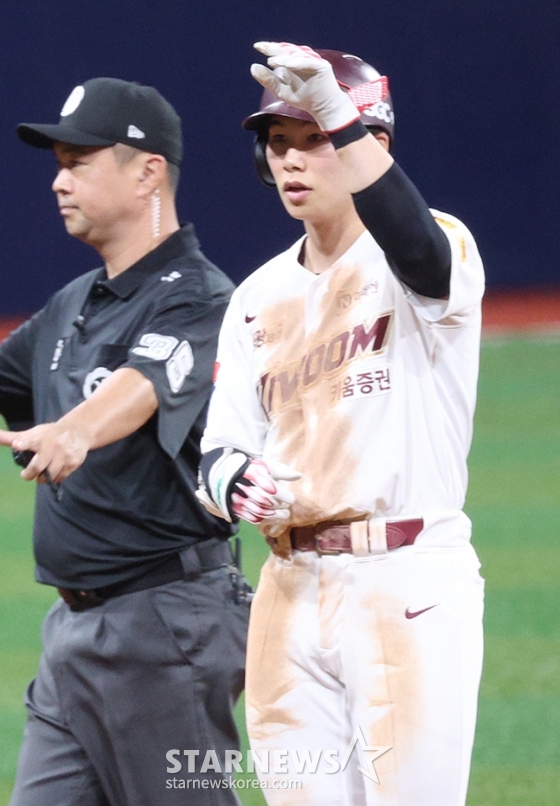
343	137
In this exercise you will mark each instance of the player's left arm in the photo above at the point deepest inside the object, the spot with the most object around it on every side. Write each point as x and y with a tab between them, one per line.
118	407
388	203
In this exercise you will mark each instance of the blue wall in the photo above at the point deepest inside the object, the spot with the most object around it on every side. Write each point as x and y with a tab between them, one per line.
476	86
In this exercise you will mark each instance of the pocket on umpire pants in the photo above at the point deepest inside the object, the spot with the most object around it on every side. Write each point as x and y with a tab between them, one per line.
200	611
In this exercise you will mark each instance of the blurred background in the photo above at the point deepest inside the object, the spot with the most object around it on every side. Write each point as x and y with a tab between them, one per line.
476	88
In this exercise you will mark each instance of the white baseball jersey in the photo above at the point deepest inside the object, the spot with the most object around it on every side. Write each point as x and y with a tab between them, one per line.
369	391
363	386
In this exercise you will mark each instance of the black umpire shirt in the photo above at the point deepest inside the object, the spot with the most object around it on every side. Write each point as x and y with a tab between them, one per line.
132	503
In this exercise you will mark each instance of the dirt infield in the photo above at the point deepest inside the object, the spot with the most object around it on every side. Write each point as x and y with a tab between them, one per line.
502	311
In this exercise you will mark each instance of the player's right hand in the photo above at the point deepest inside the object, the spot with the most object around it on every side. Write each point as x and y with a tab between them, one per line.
233	485
261	495
303	79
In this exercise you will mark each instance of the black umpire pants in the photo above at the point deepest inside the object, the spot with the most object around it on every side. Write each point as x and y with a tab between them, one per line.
121	684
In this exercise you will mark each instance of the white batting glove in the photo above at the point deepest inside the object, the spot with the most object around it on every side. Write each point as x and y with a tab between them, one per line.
305	80
260	495
210	506
231	485
226	466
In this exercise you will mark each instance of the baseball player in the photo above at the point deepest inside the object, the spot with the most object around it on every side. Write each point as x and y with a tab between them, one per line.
144	652
340	424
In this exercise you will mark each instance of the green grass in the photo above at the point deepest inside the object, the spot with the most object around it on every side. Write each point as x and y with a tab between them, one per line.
514	502
22	606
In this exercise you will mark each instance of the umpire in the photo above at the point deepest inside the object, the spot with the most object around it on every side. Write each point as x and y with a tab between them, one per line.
105	390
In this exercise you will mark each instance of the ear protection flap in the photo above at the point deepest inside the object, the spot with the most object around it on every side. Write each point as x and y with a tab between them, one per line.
261	164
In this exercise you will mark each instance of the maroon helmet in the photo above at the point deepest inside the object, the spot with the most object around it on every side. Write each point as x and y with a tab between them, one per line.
367	88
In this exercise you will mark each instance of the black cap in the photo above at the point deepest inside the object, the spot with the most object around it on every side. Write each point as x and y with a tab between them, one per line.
105	111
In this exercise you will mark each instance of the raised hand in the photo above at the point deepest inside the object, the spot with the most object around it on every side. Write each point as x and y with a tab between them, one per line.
302	78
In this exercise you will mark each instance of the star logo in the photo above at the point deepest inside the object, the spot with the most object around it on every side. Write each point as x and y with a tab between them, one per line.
376	752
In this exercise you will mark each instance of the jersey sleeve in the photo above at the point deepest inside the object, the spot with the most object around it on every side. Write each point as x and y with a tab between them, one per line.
175	348
235	418
467	277
16	361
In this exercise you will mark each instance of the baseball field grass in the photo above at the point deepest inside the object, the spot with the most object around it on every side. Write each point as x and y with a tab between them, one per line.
514	502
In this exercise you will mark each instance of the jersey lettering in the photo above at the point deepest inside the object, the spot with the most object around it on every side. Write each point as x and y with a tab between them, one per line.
336	352
363	338
280	389
56	355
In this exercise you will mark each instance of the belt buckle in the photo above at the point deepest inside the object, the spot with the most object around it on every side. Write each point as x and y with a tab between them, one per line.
324	551
90	598
79	600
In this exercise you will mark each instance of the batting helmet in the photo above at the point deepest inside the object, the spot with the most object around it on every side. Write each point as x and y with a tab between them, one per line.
367	88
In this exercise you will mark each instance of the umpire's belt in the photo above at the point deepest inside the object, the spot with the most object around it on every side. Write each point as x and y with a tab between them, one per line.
357	537
188	564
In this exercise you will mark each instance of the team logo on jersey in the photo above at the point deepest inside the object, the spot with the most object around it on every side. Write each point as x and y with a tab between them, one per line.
94	379
282	388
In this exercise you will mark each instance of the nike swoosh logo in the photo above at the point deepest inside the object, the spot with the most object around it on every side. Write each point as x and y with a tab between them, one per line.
249	319
410	614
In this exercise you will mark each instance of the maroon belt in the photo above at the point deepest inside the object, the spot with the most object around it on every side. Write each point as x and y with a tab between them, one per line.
333	537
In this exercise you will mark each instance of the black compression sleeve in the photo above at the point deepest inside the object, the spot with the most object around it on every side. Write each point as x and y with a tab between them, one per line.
399	219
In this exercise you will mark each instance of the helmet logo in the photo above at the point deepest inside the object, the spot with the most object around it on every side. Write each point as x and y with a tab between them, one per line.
381	111
368	94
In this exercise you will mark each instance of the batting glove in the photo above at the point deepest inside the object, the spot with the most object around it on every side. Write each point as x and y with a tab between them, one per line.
260	495
234	486
303	79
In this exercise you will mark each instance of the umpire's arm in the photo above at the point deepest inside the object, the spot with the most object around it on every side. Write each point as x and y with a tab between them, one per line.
118	407
16	392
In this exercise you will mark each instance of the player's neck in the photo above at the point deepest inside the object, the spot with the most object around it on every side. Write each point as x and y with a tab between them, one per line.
133	243
328	241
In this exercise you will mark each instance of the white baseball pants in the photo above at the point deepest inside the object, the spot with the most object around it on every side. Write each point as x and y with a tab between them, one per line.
363	676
